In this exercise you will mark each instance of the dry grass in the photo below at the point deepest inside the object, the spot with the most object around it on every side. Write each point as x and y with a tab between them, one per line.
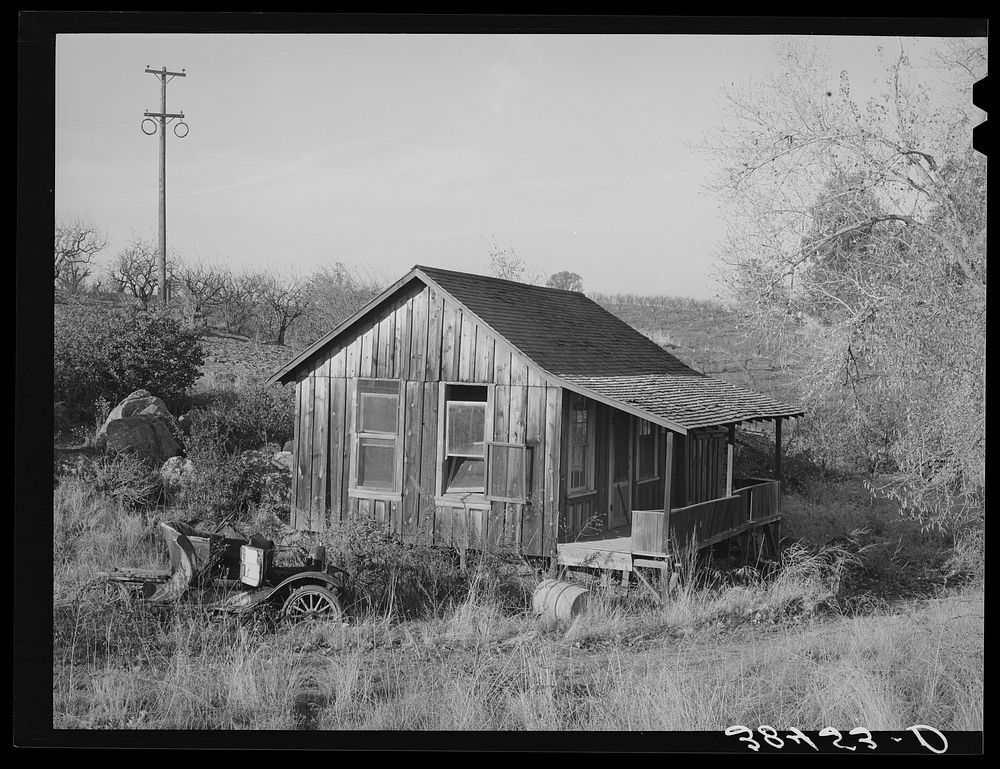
479	668
94	532
743	646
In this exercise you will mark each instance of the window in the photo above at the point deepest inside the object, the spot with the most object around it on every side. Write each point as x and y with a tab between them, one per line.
376	436
647	451
506	472
465	439
581	445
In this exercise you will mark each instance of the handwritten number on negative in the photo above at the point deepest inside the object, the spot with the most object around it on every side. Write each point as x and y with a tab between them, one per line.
829	731
918	728
740	729
867	739
796	736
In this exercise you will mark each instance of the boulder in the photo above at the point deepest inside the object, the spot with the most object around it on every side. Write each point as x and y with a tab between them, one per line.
287	447
135	403
282	459
140	402
176	473
142	434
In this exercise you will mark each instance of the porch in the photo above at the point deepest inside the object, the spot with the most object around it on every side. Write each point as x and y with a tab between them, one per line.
752	513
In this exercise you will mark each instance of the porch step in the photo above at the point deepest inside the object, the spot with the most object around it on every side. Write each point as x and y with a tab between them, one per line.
600	554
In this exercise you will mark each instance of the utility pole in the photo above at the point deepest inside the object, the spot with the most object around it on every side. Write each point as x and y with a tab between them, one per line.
149	127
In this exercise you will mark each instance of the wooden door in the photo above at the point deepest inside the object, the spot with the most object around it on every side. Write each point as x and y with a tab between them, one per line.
621	470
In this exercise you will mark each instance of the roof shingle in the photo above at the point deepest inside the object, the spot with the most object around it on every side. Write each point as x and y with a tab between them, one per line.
573	337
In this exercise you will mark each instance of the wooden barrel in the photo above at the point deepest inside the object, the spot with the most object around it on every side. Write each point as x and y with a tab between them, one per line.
555	599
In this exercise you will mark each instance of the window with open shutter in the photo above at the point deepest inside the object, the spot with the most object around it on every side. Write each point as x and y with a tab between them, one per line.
507	472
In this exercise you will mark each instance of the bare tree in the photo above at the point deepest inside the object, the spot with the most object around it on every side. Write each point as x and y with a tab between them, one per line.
202	288
335	293
283	299
239	300
77	242
135	271
504	263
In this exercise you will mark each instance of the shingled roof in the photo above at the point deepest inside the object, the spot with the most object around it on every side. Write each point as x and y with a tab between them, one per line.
573	337
592	351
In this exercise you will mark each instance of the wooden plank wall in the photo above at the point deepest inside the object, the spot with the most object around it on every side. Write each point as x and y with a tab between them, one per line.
705	519
706	466
423	339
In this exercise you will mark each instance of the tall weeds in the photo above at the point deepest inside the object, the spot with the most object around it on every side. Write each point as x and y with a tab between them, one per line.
437	641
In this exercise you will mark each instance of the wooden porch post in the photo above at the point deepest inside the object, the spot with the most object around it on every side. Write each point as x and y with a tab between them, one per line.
777	449
730	449
668	472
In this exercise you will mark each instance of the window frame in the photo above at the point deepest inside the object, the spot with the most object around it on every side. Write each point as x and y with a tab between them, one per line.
465	497
654	432
525	466
354	489
588	486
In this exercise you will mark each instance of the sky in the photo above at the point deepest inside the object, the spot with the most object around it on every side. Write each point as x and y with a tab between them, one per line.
578	152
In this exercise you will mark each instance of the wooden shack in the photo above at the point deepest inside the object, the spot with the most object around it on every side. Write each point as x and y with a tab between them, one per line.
481	412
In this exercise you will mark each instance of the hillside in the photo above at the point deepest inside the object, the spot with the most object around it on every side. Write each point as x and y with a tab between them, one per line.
704	334
233	361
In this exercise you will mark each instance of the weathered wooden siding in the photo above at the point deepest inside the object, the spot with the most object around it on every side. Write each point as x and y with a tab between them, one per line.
423	338
707	462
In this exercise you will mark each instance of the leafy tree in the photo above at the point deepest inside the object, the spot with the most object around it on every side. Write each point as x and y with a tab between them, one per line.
856	246
568	281
109	352
77	242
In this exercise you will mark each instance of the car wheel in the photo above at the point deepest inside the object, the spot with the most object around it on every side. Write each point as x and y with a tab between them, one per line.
311	602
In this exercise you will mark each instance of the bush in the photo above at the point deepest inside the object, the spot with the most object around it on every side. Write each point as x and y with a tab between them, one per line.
392	577
103	352
236	486
232	439
122	478
236	420
403	579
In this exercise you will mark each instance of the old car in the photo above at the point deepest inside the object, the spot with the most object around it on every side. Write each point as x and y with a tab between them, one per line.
229	572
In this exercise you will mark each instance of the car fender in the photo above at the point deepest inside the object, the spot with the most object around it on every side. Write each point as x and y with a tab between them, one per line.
325	579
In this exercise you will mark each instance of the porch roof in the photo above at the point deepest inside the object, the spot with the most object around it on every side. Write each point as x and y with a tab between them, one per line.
691	401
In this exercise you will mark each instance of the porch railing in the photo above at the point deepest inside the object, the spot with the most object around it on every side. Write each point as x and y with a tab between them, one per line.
753	499
761	497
